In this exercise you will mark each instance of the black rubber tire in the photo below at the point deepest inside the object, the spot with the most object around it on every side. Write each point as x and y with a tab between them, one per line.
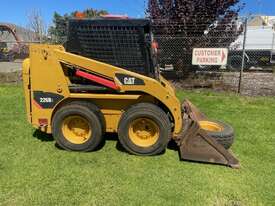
225	137
85	112
145	110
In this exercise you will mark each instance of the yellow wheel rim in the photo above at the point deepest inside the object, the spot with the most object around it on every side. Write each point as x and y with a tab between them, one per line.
211	126
144	132
76	129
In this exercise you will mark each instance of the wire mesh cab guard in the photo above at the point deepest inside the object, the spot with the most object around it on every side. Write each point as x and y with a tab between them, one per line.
125	43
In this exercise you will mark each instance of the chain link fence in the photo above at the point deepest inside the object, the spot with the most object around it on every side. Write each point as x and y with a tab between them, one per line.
178	41
247	44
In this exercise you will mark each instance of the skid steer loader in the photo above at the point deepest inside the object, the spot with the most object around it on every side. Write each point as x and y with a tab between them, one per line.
106	79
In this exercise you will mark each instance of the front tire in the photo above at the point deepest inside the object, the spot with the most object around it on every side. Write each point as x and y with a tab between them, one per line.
77	128
144	129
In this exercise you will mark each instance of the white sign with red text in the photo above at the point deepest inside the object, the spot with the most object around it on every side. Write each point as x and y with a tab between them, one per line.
210	56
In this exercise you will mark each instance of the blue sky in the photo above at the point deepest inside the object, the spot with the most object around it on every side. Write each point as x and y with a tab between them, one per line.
16	11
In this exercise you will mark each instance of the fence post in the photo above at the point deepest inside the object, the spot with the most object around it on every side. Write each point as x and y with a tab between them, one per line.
243	56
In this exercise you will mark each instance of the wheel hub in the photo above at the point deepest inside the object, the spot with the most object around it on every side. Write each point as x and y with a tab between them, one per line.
144	132
76	129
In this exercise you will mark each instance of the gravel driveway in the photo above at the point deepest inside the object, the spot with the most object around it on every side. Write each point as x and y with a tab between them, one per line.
7	67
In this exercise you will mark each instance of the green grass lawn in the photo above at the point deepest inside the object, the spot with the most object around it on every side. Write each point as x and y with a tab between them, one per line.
34	172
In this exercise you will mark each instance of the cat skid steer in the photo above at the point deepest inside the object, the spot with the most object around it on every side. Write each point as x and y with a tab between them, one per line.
106	79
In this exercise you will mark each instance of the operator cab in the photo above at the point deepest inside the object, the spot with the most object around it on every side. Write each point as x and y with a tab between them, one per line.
121	42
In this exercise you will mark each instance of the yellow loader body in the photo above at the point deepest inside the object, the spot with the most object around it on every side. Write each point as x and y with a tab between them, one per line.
43	72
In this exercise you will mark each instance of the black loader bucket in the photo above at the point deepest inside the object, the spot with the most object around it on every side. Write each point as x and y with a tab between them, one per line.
195	144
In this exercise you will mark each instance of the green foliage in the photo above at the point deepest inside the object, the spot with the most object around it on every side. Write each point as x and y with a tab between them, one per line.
58	31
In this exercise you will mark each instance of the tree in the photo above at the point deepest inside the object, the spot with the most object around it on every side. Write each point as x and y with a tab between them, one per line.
58	31
37	24
198	23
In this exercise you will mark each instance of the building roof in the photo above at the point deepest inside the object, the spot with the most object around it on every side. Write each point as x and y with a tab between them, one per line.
262	21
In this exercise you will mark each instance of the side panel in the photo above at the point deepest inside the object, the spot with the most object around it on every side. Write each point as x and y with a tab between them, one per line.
48	85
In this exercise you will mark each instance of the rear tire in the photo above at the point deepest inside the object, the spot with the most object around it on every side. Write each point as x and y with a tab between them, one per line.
77	128
144	129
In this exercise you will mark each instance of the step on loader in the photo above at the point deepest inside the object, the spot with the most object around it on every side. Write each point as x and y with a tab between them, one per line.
106	79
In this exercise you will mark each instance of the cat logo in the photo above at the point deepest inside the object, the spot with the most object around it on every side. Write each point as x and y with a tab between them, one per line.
129	80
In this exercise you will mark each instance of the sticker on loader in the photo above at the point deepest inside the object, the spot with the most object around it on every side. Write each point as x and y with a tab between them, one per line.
46	100
129	80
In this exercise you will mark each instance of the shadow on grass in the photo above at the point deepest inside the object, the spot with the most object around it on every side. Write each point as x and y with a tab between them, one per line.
114	137
172	145
43	137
